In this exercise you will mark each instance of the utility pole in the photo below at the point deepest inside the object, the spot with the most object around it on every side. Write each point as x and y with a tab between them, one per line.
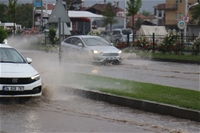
124	13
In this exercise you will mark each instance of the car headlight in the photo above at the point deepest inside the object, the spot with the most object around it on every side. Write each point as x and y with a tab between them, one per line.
35	77
119	52
96	52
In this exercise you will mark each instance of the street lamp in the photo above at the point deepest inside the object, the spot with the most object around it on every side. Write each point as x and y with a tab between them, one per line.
187	7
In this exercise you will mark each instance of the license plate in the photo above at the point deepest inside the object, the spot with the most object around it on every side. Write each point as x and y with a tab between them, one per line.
13	88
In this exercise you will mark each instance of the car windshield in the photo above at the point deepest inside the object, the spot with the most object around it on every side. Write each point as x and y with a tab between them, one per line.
10	55
116	32
127	31
96	42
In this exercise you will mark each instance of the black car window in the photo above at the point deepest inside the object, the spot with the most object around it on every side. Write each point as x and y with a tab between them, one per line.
77	41
116	32
68	40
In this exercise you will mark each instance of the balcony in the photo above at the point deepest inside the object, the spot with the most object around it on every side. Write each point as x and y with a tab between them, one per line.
171	7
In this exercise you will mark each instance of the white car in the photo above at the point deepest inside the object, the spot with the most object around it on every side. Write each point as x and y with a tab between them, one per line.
120	35
96	47
17	77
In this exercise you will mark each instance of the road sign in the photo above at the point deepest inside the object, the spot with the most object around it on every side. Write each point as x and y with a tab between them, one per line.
65	28
181	25
59	12
186	19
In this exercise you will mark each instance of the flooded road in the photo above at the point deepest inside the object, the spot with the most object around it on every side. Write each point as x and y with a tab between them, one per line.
57	111
76	114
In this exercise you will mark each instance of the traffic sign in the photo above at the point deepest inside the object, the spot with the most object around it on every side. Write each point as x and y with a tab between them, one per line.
181	25
59	12
186	19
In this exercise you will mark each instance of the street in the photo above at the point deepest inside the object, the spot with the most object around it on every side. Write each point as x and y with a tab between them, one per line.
57	111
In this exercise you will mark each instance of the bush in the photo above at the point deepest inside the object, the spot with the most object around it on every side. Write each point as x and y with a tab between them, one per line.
94	32
3	34
171	43
52	35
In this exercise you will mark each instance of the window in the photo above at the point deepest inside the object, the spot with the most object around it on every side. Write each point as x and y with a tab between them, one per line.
155	11
176	16
159	13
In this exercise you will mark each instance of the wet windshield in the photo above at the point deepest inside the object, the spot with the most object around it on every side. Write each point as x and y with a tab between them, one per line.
96	42
10	55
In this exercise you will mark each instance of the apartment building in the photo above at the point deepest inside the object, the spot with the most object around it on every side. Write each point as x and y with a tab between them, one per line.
175	11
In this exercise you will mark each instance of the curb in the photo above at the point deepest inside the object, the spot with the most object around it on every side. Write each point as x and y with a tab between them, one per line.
176	61
163	109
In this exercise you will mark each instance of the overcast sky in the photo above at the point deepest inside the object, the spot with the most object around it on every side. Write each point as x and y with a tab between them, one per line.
146	4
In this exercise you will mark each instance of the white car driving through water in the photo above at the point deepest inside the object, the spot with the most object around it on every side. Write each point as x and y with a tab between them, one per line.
95	47
17	77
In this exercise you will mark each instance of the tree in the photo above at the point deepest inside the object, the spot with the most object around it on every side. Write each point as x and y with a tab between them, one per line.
138	23
24	13
3	34
73	4
133	8
145	13
109	16
3	16
195	13
12	9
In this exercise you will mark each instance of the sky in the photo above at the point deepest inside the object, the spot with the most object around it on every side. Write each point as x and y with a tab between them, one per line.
146	4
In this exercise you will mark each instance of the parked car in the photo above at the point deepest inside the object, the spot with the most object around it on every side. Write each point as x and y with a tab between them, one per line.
96	47
17	77
120	35
106	35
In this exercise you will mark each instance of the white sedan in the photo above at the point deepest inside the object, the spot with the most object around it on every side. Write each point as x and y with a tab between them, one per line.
17	77
96	47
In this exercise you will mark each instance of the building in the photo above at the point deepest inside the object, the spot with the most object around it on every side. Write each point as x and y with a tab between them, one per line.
159	12
173	11
99	8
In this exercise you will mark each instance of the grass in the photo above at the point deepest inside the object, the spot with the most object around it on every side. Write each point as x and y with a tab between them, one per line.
185	56
188	57
146	91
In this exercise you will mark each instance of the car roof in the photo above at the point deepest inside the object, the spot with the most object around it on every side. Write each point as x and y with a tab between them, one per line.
85	36
5	46
117	29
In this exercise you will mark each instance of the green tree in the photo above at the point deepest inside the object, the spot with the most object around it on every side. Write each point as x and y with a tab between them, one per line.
145	13
24	13
195	13
133	8
51	35
138	23
12	9
73	4
3	16
109	16
3	34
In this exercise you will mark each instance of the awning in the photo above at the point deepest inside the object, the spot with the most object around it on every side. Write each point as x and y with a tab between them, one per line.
75	14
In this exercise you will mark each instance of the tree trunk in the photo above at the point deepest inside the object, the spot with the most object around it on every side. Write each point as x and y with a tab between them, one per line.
133	27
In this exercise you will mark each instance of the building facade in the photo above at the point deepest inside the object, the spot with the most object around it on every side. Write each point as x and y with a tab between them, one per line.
175	11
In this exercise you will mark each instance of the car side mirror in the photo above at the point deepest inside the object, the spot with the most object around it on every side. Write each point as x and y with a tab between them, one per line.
29	60
80	44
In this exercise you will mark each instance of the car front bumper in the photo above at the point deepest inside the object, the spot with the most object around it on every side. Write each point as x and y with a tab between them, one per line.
110	59
30	90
